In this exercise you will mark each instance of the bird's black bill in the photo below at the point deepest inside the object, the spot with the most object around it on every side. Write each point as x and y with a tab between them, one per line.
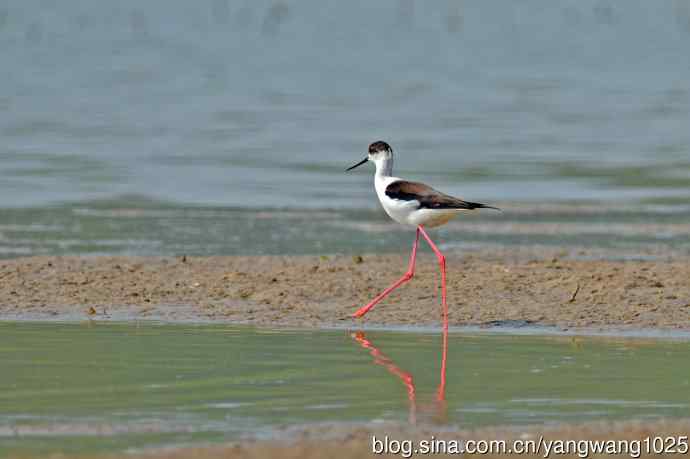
357	165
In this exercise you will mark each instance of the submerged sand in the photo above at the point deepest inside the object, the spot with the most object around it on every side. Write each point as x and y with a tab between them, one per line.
324	291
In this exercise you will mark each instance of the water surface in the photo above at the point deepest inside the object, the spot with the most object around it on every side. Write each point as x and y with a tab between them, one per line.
138	226
111	387
235	105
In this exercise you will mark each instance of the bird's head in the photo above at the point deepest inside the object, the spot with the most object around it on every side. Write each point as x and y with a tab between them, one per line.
379	152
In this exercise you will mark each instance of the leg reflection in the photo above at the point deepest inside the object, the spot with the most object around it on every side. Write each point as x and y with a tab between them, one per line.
438	408
441	410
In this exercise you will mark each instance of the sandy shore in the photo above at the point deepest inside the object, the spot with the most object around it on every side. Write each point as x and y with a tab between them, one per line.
324	291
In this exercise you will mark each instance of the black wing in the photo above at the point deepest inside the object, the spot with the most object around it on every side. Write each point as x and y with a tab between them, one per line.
429	198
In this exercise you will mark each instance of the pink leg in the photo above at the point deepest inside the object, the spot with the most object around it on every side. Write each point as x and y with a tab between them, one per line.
408	275
442	265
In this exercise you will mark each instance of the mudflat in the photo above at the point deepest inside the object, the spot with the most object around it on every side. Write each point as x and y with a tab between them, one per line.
309	291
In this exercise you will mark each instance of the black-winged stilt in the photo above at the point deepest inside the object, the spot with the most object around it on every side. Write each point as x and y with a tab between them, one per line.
416	204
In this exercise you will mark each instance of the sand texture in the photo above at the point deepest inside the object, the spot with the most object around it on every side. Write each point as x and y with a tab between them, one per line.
324	291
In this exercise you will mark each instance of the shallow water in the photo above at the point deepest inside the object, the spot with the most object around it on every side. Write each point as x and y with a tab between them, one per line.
235	104
138	226
106	387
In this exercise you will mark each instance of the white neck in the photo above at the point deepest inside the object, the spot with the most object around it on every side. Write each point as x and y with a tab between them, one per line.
384	167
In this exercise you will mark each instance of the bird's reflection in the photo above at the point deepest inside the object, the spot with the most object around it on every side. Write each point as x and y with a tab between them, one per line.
437	409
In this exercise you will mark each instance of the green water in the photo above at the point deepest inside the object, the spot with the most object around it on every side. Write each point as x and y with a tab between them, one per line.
113	387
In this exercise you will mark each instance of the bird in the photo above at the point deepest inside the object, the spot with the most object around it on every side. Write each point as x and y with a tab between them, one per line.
413	204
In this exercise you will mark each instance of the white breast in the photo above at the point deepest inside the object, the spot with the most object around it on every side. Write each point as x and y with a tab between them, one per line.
400	211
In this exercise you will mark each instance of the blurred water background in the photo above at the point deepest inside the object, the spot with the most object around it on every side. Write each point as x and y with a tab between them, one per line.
224	127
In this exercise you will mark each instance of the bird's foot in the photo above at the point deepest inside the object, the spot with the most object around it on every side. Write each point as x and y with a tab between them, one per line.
361	311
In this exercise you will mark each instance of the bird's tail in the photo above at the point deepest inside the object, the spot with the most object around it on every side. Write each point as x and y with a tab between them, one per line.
478	205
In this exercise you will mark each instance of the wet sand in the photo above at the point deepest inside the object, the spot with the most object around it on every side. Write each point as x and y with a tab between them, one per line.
496	288
355	443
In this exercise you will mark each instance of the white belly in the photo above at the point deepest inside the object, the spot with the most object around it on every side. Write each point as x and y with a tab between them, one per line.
408	213
432	217
400	211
